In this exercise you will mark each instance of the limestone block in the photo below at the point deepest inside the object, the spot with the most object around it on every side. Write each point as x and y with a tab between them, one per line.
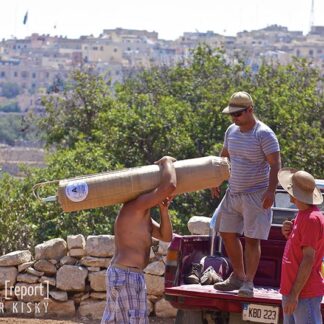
98	295
154	284
92	309
199	225
52	249
100	245
150	307
9	275
53	261
164	309
4	293
153	298
79	297
68	260
95	262
78	253
45	266
22	267
71	278
47	280
34	272
155	268
98	280
163	247
76	242
15	258
58	309
26	277
59	295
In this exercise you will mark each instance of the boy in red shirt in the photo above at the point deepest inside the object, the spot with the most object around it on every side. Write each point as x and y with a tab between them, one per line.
302	285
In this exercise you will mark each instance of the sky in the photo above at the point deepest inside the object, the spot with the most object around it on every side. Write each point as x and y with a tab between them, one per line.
170	18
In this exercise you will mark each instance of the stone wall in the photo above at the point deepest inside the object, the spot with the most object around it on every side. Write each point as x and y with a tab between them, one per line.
66	279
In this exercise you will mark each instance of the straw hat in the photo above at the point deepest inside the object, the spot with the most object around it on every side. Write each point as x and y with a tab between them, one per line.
300	185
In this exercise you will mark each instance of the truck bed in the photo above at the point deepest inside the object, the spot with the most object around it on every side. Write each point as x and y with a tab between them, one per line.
192	248
197	296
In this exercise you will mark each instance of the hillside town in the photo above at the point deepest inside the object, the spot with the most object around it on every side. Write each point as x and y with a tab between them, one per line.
41	64
34	64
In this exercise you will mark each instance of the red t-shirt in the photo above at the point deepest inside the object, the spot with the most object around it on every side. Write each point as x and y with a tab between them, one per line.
308	231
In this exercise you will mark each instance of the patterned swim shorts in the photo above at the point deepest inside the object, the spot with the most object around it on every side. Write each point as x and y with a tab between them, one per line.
126	296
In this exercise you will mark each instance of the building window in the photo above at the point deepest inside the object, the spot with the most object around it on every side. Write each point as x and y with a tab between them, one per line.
298	53
15	74
3	74
34	75
115	50
101	48
311	52
95	48
24	74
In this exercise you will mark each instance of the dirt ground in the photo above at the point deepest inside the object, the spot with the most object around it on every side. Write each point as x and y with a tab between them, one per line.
12	320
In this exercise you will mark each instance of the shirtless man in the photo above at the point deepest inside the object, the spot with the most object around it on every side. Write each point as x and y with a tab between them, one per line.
134	229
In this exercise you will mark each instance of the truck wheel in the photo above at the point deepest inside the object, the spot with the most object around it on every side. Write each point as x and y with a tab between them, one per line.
189	317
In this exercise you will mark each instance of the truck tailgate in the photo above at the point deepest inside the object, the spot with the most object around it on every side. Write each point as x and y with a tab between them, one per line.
206	297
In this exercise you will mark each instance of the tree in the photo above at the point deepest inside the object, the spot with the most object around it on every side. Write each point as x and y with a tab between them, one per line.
170	110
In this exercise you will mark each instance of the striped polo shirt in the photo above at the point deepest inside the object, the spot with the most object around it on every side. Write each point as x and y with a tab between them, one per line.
247	151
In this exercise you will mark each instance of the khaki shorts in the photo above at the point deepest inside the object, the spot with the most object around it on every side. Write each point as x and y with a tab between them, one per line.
243	213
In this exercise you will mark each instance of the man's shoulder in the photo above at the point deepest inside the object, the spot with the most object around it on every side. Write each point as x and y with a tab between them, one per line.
232	128
262	128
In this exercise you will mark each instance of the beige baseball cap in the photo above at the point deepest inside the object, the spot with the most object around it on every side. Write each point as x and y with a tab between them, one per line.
239	101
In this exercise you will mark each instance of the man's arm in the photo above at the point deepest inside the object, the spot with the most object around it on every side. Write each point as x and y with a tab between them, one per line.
163	231
166	187
215	192
303	274
274	161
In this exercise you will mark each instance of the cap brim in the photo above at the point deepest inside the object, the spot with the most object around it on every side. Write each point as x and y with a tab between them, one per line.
230	110
285	179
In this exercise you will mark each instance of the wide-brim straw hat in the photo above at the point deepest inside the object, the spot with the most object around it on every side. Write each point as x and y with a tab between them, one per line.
301	185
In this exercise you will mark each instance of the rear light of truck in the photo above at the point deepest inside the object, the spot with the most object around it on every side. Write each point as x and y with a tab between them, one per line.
171	268
172	257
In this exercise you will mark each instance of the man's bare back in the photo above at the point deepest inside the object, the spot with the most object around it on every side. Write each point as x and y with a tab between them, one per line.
134	227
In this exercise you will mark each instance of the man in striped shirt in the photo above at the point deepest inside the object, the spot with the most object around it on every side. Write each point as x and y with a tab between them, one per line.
253	150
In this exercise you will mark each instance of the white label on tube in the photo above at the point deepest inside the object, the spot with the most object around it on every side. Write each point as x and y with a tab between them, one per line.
76	191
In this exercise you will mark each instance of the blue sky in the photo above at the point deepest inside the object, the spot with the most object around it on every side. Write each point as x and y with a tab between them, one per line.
170	18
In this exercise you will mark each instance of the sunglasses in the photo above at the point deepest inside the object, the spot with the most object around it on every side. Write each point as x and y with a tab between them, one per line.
238	113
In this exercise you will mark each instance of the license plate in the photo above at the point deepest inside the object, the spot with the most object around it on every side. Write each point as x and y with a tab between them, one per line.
260	313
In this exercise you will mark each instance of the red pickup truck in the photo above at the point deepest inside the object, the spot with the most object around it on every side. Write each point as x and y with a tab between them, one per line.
198	304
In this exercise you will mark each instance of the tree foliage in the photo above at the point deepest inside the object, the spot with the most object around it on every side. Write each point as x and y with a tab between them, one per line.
170	110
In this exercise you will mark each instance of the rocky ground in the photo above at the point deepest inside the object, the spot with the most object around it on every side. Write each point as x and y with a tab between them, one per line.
12	320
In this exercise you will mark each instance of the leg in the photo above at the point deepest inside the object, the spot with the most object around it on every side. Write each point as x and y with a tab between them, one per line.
234	250
308	311
252	256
